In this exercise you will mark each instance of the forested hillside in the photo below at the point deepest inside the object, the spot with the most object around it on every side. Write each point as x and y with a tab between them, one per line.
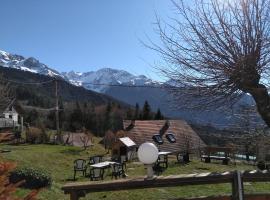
79	108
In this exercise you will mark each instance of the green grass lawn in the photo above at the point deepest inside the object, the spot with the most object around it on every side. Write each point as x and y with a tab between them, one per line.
58	160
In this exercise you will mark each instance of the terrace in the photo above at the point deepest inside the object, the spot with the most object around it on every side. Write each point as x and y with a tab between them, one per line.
58	160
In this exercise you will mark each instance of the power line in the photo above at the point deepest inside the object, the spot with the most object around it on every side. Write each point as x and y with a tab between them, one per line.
94	84
29	83
128	86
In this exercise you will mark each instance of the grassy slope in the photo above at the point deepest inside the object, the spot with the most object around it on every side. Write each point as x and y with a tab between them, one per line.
58	160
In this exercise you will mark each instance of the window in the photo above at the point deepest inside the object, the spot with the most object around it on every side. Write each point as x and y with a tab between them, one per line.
10	116
170	137
157	139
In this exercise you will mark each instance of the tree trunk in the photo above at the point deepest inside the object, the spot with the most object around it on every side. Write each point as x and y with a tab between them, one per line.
261	97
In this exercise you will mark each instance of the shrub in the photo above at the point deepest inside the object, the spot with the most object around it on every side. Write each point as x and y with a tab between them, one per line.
7	189
36	135
261	165
34	178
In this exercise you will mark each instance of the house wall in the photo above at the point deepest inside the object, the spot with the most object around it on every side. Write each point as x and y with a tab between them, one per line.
131	152
14	116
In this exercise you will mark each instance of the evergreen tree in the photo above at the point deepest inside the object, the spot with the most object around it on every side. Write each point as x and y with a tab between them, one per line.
107	121
137	112
146	113
129	114
76	118
116	122
109	107
61	112
158	115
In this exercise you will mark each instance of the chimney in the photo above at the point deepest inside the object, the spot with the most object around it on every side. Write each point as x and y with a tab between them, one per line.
131	126
164	128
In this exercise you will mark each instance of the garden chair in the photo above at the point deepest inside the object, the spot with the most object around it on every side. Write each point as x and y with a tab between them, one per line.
95	160
117	170
123	161
162	161
96	174
267	161
79	165
180	158
157	169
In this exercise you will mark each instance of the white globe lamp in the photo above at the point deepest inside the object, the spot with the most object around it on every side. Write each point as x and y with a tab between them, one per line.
148	155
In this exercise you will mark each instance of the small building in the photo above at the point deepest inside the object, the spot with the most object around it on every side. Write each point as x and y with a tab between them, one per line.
123	146
175	136
9	118
11	113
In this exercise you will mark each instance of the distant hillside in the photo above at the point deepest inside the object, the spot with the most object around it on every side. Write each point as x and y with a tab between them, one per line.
79	108
121	85
67	91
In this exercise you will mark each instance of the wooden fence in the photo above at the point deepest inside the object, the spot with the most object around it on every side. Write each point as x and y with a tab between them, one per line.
236	178
7	123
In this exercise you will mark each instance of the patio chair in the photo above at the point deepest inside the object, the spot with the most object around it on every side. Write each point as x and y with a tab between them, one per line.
117	170
162	161
79	165
123	161
95	160
180	158
157	169
96	174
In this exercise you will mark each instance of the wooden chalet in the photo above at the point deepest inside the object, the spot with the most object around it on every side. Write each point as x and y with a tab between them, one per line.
186	139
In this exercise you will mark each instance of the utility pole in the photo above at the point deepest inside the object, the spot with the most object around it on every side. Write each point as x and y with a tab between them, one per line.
58	134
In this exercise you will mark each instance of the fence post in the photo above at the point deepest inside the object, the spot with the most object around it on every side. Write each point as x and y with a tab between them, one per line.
74	195
237	186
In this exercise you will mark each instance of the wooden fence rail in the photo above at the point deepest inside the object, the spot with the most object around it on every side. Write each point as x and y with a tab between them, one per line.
236	178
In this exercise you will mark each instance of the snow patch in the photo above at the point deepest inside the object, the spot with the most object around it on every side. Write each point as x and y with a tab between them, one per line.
27	69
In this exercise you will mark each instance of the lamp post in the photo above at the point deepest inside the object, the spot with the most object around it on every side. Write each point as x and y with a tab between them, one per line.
148	155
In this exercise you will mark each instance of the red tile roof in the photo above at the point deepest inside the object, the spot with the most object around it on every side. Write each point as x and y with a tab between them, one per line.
143	131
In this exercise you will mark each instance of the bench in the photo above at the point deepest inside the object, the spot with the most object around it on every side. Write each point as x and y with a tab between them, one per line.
207	159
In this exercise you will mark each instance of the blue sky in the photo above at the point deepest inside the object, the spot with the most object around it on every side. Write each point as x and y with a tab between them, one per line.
83	35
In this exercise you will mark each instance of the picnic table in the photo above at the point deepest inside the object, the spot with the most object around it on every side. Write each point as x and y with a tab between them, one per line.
104	164
208	159
164	153
97	170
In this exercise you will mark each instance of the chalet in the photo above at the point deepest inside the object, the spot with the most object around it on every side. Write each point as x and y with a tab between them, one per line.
9	118
175	136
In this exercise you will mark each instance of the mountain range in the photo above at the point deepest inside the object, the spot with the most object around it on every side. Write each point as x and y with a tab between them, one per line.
100	80
115	83
26	64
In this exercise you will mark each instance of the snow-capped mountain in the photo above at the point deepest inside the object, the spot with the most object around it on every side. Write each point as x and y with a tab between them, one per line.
100	80
107	81
93	80
26	64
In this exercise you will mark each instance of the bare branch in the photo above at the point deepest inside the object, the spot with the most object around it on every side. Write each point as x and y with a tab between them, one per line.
216	51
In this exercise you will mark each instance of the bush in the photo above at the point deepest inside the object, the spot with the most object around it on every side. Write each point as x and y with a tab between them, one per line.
17	134
261	165
36	135
7	189
34	178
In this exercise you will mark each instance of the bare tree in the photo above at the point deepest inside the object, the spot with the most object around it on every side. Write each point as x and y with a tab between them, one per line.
109	139
218	50
6	95
86	139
